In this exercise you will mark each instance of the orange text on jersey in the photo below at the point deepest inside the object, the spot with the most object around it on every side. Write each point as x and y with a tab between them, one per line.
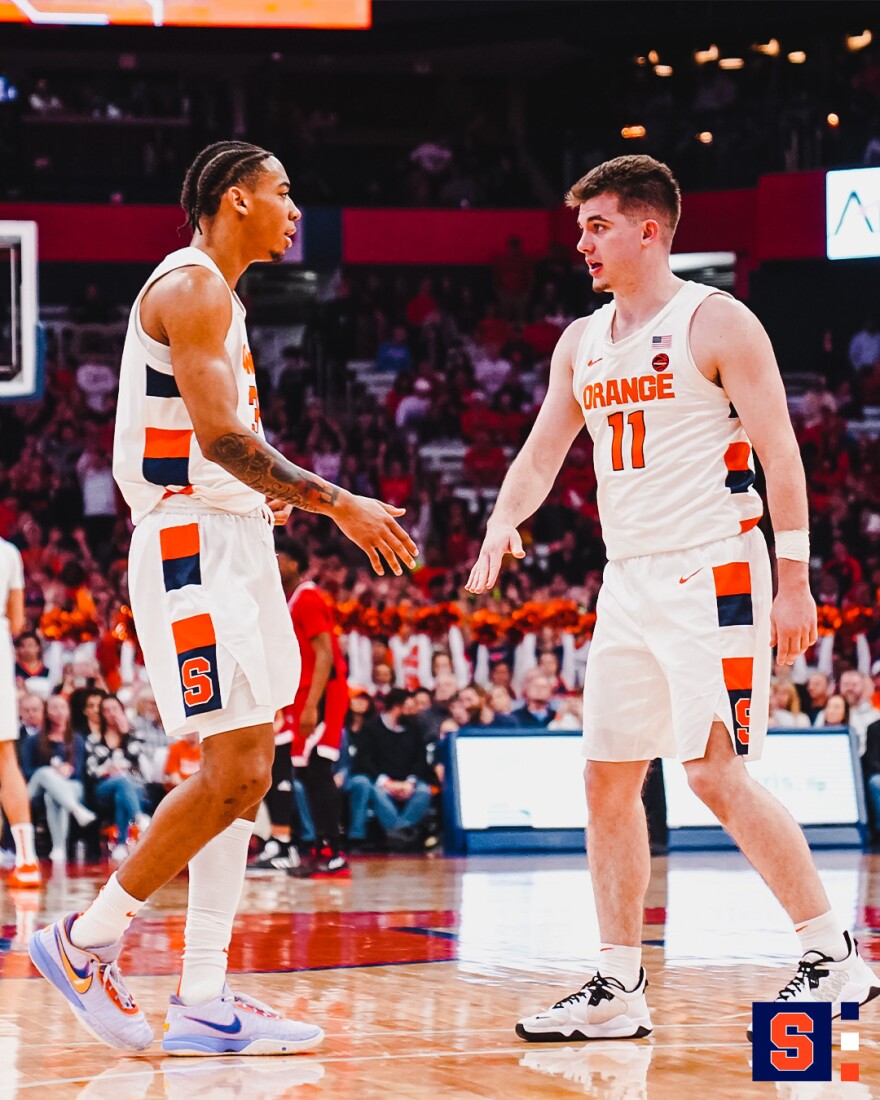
625	391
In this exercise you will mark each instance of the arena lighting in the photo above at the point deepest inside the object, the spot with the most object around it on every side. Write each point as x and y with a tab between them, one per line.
703	57
653	57
797	57
769	49
705	137
833	119
663	70
858	41
338	14
633	132
731	63
641	61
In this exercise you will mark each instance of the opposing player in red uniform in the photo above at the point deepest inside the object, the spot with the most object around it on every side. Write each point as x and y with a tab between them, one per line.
318	711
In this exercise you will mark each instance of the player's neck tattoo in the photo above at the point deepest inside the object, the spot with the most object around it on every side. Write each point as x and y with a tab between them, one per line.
250	459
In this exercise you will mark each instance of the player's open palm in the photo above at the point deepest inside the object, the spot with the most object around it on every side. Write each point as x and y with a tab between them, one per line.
500	540
792	624
371	524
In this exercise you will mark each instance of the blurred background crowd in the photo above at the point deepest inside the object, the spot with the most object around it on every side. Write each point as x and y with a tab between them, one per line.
436	385
418	385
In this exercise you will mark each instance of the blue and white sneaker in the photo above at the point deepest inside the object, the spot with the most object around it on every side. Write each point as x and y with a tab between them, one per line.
233	1024
92	985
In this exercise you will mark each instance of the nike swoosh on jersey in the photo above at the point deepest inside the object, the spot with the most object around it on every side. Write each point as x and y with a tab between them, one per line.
684	580
228	1029
81	980
593	362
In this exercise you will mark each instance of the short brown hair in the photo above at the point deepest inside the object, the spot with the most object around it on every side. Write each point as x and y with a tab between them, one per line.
640	184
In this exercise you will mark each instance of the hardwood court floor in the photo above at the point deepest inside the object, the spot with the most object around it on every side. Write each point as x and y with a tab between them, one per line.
418	968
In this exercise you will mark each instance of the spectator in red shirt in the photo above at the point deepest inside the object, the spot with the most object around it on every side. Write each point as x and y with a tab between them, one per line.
493	331
484	462
511	422
843	567
318	712
477	417
422	306
514	278
395	482
542	335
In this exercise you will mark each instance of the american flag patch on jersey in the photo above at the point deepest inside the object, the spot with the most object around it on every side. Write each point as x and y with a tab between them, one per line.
661	342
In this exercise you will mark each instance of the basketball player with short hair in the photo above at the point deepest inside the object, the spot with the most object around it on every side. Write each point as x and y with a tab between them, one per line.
204	488
14	799
676	383
317	716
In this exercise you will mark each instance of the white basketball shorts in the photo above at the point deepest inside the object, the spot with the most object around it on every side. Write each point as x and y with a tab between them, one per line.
211	617
682	639
8	696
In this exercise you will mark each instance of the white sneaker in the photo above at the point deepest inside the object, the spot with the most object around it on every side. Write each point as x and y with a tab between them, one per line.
601	1009
119	853
92	984
234	1024
58	855
819	978
83	816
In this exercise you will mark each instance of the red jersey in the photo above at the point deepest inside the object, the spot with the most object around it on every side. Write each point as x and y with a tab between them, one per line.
312	614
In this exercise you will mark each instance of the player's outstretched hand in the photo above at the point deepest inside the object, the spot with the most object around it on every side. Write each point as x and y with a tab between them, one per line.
372	526
499	540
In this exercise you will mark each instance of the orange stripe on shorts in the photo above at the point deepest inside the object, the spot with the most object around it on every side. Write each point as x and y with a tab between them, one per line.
737	673
193	633
167	442
737	456
734	579
179	542
748	524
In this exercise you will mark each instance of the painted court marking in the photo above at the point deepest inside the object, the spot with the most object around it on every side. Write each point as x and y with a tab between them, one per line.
349	1059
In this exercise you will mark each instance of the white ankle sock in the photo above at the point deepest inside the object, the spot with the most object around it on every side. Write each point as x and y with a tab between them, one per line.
622	963
107	918
216	880
823	934
25	852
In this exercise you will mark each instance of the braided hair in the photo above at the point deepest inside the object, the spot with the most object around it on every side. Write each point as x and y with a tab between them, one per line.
217	167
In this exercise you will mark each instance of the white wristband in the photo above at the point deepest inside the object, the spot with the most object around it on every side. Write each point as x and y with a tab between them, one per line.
793	545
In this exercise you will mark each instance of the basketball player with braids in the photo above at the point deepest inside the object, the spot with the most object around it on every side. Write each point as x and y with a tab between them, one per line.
676	383
205	489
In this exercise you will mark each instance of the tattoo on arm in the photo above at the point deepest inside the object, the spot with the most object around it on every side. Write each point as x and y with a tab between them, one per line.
254	462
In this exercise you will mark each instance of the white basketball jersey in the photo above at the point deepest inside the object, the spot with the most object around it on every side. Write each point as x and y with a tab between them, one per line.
155	453
673	464
11	580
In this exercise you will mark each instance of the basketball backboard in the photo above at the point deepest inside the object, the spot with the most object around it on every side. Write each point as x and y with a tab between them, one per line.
21	373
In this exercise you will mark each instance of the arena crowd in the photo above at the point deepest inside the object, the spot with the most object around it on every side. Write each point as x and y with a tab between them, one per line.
455	375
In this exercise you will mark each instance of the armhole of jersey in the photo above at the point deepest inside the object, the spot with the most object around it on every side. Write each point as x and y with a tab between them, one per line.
690	355
160	351
577	352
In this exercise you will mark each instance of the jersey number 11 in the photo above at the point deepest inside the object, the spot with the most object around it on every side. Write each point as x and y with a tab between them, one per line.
636	421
